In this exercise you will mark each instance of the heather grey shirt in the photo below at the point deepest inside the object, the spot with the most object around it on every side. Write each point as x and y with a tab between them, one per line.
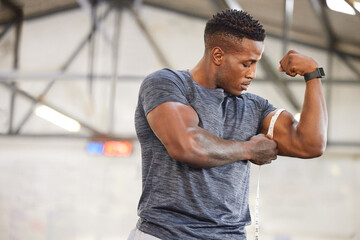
181	202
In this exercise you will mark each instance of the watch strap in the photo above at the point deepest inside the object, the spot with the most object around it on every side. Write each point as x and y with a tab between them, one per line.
318	73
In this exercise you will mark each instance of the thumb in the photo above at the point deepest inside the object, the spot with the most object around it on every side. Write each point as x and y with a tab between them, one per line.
280	69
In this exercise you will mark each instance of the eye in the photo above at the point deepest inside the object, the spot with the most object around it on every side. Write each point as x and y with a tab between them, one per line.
246	65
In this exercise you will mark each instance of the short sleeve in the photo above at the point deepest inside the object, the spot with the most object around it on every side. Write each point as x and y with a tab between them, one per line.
265	108
159	87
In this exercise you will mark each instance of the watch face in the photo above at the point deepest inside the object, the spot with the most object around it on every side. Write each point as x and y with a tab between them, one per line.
321	71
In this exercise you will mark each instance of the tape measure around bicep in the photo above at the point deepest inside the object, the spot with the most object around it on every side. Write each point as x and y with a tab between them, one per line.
269	133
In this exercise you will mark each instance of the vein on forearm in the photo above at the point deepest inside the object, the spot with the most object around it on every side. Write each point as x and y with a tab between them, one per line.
218	151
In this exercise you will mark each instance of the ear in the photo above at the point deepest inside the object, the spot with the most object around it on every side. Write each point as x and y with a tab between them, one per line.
217	55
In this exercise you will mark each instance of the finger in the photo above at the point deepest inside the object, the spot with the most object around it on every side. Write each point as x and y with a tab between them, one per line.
294	71
292	51
282	67
269	136
292	74
284	62
291	71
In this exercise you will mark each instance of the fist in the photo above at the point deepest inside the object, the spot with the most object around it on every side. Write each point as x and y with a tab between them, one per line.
263	150
294	63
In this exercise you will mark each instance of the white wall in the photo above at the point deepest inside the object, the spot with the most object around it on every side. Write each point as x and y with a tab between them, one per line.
51	189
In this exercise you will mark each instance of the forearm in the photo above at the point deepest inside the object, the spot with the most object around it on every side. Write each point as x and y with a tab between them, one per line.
312	127
202	149
209	150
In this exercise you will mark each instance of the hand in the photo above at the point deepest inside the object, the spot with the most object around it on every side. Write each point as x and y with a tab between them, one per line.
294	63
264	149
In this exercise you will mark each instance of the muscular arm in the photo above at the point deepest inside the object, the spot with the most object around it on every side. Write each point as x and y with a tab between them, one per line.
306	139
176	125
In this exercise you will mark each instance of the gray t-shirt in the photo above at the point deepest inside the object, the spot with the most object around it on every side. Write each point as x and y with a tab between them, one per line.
181	202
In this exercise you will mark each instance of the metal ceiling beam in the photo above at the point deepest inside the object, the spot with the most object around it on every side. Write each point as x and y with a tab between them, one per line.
351	3
178	11
349	65
4	77
18	17
288	17
137	5
226	4
147	33
351	55
15	8
115	60
6	29
92	47
63	69
37	100
44	14
319	11
329	86
205	18
188	14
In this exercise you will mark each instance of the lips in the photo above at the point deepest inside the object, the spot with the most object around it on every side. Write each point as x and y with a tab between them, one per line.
245	86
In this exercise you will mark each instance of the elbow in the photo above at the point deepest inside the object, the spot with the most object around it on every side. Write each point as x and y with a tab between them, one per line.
315	153
315	150
191	157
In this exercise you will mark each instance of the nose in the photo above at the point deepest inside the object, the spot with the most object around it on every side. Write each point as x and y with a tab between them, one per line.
251	72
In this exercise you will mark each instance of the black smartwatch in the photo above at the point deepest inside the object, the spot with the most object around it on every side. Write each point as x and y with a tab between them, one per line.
318	73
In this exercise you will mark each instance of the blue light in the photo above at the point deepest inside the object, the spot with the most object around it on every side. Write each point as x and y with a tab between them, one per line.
95	148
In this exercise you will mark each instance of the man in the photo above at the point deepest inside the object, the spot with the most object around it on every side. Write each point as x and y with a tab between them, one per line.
199	132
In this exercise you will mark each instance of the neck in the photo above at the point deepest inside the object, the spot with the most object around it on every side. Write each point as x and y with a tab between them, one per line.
203	73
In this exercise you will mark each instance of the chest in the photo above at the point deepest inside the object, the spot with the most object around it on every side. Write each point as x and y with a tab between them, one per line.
229	118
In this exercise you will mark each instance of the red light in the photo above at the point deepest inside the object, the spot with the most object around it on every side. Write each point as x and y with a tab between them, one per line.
118	149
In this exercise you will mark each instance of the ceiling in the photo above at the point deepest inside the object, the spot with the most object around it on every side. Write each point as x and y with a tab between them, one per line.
311	21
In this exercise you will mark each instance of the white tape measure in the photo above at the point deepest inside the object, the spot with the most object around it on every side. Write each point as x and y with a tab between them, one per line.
271	133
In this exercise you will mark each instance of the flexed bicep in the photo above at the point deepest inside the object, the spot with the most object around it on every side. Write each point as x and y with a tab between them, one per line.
289	140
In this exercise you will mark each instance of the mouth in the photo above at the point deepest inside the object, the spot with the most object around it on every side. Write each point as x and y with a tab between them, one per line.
245	85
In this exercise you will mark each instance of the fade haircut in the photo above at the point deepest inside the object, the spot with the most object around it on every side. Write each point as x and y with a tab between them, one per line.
228	27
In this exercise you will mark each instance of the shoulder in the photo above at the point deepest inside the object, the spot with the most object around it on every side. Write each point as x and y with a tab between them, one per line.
165	76
162	86
165	72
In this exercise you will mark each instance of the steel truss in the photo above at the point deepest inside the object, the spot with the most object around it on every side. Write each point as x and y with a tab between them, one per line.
9	79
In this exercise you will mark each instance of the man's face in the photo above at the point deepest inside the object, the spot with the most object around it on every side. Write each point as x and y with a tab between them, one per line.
238	67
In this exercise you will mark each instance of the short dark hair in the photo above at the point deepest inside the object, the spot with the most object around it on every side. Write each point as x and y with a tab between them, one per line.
234	23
